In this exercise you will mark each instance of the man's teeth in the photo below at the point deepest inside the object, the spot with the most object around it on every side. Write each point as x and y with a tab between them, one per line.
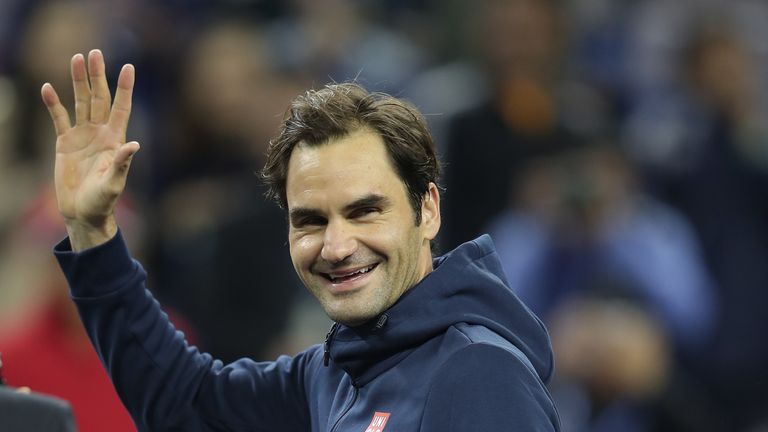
337	276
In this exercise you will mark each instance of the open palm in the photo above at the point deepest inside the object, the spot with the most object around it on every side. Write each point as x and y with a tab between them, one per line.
92	158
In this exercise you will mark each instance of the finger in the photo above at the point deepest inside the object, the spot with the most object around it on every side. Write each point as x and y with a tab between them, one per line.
82	89
58	113
121	109
100	97
25	390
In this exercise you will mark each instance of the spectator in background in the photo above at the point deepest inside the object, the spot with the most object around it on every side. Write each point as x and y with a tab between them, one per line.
49	30
24	157
620	279
43	342
707	157
522	50
336	40
212	208
582	211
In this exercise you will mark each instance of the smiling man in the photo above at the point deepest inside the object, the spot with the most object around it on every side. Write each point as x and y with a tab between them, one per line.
420	343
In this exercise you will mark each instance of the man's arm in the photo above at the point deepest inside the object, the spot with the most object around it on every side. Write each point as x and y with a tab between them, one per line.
484	387
164	383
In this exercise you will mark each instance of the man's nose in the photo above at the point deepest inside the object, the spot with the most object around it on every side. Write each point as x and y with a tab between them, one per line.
338	243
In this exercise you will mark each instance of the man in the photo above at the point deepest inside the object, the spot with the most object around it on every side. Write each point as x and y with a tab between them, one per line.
419	344
22	411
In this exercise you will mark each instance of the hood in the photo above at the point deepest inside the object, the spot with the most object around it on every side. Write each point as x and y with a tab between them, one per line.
467	285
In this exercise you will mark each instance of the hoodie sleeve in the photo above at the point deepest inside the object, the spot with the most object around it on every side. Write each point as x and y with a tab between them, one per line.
483	387
164	383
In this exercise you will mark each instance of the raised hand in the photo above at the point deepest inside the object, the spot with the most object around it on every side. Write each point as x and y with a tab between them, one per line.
92	157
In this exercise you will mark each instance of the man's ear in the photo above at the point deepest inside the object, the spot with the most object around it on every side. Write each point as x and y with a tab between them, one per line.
430	212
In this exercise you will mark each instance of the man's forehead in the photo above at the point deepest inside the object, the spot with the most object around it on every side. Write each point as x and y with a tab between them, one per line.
337	189
362	150
340	172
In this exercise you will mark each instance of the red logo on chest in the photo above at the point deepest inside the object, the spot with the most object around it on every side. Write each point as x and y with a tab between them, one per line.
378	422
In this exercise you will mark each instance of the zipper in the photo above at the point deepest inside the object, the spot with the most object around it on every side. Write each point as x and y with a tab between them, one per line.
347	409
327	344
380	323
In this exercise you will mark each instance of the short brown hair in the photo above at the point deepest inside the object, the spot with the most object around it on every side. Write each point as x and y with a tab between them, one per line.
336	110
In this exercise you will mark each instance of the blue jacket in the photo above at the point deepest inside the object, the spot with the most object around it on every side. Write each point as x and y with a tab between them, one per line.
457	352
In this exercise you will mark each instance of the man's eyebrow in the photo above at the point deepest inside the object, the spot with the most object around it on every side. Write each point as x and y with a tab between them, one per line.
371	200
301	213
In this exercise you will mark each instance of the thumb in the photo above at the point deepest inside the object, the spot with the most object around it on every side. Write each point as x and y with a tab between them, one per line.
124	155
120	165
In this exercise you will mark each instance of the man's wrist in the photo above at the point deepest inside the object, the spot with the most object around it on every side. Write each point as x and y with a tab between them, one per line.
84	236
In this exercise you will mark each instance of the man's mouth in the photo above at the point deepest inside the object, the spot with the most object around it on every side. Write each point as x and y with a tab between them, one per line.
343	276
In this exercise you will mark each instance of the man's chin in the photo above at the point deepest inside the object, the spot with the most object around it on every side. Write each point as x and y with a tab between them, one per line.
350	319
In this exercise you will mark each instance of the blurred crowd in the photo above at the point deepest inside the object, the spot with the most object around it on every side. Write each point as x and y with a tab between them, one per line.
616	150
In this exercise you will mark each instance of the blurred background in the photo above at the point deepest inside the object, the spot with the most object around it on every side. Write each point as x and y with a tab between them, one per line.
616	150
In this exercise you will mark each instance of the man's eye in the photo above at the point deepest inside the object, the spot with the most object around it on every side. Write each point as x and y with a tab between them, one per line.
309	221
364	211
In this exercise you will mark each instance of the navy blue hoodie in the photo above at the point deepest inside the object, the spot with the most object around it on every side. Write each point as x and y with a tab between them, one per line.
457	352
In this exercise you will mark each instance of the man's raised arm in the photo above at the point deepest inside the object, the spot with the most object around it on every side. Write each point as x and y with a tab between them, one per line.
164	383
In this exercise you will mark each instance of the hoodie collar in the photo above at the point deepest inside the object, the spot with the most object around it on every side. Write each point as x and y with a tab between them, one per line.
466	286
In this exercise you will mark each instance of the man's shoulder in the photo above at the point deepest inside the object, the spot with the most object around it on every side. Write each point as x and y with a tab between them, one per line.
487	383
481	341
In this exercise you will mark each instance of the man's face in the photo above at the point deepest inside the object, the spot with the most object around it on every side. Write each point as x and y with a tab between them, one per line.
353	239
